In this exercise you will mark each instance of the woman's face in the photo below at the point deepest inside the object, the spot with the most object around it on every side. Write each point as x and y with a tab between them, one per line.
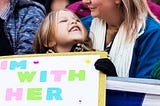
101	8
69	30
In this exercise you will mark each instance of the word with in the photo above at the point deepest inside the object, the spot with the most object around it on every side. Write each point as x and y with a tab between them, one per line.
57	75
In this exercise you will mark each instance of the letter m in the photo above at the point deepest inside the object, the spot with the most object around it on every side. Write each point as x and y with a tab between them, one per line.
21	64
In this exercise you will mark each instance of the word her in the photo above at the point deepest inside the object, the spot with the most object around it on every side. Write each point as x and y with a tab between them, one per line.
33	94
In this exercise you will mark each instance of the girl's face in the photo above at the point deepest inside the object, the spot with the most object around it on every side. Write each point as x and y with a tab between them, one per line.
69	30
102	8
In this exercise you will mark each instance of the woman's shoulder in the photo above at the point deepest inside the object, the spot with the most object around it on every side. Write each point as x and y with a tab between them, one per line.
152	24
87	21
151	31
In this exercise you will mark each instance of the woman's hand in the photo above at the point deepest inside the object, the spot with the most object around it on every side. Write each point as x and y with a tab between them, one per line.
106	66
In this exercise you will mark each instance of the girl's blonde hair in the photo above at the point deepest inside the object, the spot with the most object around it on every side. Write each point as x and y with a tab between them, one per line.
135	14
46	32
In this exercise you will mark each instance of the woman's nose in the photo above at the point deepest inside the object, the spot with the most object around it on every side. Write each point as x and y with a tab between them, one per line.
86	1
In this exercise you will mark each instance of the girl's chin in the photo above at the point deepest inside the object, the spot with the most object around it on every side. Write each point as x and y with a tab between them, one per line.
78	40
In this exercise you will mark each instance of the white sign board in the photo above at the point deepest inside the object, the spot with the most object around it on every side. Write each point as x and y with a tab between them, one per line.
66	79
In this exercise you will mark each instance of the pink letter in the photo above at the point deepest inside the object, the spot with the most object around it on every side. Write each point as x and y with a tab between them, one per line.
58	75
17	94
3	65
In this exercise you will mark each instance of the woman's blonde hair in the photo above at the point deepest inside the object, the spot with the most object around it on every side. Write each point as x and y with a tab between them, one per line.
135	14
46	33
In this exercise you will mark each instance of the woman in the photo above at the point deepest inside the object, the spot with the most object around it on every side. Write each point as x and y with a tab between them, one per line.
129	32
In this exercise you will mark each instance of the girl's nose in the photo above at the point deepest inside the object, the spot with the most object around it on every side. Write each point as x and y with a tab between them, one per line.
73	22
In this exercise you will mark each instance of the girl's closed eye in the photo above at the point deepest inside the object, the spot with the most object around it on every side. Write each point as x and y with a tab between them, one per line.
63	20
78	20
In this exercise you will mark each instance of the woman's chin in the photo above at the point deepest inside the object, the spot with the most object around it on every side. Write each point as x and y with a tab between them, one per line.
94	14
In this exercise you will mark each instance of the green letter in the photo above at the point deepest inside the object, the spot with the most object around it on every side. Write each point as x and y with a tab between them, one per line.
34	94
26	76
73	75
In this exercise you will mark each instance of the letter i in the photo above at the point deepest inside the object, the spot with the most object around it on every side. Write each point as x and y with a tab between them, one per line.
43	76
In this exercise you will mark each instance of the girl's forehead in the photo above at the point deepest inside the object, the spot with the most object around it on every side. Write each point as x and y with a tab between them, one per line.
66	14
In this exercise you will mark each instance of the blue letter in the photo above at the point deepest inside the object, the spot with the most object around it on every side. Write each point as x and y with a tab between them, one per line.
21	64
54	92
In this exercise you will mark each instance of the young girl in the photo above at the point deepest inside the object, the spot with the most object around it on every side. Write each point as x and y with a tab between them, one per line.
61	31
